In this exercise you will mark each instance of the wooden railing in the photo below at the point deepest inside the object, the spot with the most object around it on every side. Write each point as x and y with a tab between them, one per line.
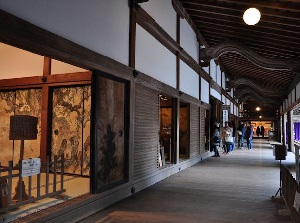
38	186
289	188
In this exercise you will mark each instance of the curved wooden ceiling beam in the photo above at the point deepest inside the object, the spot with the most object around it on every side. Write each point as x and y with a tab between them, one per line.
247	97
254	95
228	46
242	82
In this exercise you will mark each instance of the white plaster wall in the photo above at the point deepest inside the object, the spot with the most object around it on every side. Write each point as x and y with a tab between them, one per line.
219	76
298	91
293	95
188	40
223	99
235	110
213	70
216	94
204	91
189	80
227	101
206	69
153	59
223	81
90	23
17	63
231	108
163	13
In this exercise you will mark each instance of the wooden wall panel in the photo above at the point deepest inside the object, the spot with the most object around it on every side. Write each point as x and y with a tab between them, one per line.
109	102
202	130
146	132
195	131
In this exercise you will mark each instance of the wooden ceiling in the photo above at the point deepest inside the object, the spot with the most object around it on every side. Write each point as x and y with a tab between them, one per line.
274	40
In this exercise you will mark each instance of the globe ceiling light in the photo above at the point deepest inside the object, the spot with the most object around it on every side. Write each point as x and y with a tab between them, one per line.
251	16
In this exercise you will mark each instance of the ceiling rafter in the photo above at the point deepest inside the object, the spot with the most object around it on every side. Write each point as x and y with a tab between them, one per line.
275	38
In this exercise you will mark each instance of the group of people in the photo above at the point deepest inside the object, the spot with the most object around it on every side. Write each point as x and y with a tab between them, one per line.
260	131
227	138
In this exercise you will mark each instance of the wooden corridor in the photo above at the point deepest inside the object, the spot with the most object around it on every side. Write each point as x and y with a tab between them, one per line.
235	188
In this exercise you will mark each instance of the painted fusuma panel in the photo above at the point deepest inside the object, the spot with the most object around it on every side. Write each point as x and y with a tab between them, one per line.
7	102
70	128
19	102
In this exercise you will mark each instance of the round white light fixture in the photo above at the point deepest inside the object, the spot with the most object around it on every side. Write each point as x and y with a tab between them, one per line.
257	109
251	16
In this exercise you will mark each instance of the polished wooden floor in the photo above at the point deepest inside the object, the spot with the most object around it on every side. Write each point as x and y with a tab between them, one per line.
234	188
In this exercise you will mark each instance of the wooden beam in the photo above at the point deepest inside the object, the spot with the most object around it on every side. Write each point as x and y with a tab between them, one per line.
177	53
237	47
132	33
47	66
52	80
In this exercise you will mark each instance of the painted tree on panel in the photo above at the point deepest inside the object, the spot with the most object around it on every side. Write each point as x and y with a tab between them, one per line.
108	160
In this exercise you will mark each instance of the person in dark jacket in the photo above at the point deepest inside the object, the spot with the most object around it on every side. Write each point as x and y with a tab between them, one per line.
241	133
216	139
249	135
262	131
258	131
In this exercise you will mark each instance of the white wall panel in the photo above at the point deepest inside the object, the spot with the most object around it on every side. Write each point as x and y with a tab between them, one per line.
219	76
163	13
188	40
223	81
189	80
231	108
92	25
216	94
223	99
227	101
298	91
293	95
206	69
204	91
153	59
16	63
213	70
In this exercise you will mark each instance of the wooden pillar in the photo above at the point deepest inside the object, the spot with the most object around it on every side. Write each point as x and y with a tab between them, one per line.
175	130
283	130
290	131
45	116
132	33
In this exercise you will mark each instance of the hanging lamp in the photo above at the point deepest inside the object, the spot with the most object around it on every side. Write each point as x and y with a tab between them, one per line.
251	16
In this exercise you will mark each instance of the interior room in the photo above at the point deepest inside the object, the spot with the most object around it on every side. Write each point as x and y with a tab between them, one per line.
59	107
